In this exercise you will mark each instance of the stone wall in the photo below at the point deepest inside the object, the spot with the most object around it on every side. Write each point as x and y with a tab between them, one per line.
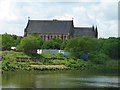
48	37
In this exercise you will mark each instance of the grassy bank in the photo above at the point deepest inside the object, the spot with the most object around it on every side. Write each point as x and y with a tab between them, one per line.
52	62
49	67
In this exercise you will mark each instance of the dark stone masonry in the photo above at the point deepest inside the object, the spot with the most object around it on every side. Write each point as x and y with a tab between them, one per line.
64	29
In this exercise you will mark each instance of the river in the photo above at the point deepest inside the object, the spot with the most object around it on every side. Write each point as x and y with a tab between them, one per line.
59	79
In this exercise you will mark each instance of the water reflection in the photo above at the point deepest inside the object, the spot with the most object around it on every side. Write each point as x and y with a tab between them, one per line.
99	81
58	79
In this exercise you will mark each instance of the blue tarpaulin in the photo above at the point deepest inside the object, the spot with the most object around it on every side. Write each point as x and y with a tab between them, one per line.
85	56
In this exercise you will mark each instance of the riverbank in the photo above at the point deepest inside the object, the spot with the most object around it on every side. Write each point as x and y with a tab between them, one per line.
52	62
59	79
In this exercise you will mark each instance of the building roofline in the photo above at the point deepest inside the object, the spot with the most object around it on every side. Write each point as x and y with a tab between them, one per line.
49	20
82	27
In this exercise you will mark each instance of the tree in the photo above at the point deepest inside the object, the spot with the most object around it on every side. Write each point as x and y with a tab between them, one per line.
111	47
7	41
54	43
82	45
63	45
30	44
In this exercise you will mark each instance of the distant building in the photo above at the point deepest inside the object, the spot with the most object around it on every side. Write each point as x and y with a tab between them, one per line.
64	29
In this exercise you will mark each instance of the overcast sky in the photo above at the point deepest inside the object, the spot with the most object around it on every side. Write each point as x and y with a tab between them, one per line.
103	13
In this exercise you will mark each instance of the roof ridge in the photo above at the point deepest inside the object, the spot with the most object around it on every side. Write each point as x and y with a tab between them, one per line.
51	20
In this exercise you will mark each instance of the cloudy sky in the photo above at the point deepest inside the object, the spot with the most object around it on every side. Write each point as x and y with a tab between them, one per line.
103	13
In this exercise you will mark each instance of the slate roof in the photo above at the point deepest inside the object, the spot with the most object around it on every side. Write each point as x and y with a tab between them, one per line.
49	26
82	31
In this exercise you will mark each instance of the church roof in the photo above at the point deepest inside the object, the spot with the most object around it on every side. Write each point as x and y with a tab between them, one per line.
49	26
81	31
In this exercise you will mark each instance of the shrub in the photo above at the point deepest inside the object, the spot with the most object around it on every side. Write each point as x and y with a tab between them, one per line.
98	58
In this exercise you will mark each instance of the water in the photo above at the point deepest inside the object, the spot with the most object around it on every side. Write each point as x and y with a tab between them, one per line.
58	79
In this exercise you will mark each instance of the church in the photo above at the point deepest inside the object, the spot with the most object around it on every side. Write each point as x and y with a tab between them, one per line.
63	29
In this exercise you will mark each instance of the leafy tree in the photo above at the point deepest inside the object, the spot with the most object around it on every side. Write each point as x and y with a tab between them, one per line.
7	41
63	45
111	47
98	58
54	43
35	34
17	40
30	44
82	45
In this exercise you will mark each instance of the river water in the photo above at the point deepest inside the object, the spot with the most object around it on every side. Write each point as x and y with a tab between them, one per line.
59	79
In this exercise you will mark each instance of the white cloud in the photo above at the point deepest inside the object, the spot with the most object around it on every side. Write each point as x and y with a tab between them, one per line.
7	10
14	13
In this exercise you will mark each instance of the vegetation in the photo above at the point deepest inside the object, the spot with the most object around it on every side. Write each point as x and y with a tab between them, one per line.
54	43
9	62
85	45
102	53
30	44
9	41
77	46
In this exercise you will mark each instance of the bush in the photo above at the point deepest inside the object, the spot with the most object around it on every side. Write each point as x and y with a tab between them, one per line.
112	64
98	58
9	65
80	64
30	44
58	62
9	62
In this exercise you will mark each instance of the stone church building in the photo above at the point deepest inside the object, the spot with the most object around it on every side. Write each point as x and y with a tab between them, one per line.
64	29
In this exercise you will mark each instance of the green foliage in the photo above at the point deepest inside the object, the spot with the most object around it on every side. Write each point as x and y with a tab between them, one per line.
77	45
97	61
7	41
63	45
98	58
112	64
30	44
10	40
100	47
80	64
35	34
99	51
81	45
58	62
54	43
111	47
9	63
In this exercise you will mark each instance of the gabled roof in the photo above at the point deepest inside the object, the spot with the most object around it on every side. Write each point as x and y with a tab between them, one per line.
49	26
81	31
